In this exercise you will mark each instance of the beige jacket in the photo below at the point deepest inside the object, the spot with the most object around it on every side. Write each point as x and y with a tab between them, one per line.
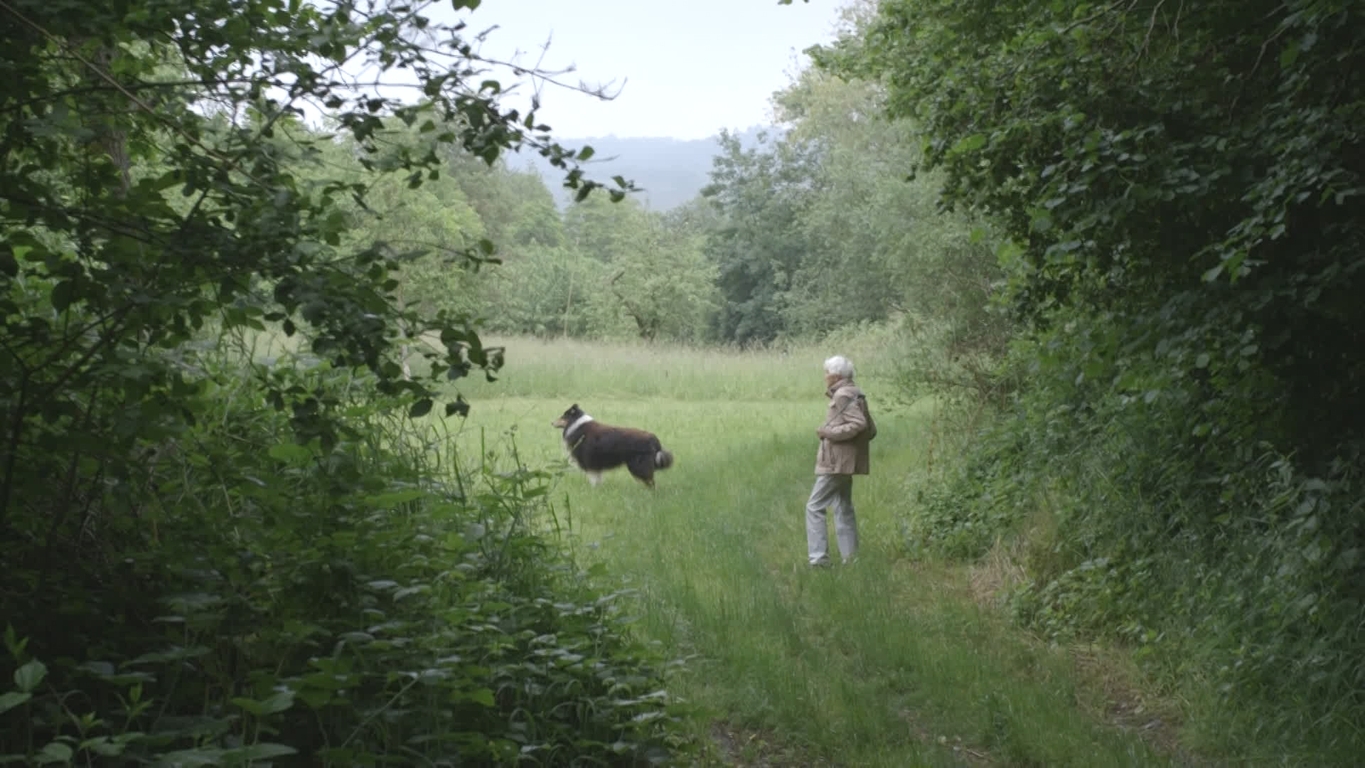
845	435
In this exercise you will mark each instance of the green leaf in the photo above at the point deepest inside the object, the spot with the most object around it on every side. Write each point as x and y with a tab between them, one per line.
279	702
416	589
13	644
261	751
30	675
970	143
63	294
315	698
250	706
13	699
1289	55
1315	484
420	408
191	758
290	453
394	498
54	752
102	746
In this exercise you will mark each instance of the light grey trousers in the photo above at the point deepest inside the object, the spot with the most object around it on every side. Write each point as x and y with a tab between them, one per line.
831	491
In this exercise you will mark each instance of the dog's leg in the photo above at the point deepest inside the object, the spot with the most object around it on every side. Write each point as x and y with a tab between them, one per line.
594	478
642	467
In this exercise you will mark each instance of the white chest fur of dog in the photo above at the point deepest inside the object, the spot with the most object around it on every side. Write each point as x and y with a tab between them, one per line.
594	478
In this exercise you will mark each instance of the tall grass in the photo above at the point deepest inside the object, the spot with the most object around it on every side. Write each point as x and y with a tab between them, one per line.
570	368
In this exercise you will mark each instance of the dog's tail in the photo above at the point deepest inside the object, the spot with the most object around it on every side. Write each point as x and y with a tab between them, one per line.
663	459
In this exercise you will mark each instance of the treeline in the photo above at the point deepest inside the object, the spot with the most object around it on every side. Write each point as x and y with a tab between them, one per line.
812	231
1176	458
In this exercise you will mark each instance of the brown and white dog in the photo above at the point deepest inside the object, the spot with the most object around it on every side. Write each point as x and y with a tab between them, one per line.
596	447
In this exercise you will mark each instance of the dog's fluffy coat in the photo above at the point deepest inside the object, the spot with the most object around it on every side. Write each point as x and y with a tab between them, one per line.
596	447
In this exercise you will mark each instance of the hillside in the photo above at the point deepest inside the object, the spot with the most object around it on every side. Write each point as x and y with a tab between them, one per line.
668	171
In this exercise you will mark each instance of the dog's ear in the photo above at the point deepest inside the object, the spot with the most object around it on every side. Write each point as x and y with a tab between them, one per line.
573	407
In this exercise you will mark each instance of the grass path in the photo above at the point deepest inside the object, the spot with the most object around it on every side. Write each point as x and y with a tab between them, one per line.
882	663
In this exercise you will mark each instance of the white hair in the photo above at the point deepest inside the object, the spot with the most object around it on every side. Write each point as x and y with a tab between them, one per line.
839	366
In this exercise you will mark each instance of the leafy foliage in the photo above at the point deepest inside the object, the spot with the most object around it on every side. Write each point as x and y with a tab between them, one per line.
338	605
818	229
621	272
1180	188
757	247
217	553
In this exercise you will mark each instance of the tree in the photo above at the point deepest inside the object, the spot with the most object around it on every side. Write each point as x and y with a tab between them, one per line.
760	195
662	282
429	232
1182	192
601	229
194	534
1144	163
127	269
515	205
878	242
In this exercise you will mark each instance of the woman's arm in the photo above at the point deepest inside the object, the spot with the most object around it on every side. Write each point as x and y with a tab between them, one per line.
848	421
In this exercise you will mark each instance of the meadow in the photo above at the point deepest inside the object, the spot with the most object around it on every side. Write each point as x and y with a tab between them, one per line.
886	662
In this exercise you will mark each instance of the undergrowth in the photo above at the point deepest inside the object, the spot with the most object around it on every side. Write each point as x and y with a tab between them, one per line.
238	593
1152	511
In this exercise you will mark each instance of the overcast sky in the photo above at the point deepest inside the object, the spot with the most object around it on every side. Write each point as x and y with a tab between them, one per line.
690	67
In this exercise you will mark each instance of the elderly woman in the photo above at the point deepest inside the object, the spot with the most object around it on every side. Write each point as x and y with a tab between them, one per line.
844	439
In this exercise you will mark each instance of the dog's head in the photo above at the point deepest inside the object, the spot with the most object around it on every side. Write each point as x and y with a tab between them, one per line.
570	416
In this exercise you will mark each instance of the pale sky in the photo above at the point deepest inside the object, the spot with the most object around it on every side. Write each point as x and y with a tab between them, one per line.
690	67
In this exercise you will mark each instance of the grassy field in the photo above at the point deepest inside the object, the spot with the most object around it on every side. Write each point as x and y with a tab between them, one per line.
885	662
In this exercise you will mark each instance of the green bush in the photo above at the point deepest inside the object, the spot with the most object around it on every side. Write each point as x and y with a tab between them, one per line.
371	604
1152	514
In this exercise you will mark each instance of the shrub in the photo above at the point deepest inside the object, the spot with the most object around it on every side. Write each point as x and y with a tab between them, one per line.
1152	514
370	604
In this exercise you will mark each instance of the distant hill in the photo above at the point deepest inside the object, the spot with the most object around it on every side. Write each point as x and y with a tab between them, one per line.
668	171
